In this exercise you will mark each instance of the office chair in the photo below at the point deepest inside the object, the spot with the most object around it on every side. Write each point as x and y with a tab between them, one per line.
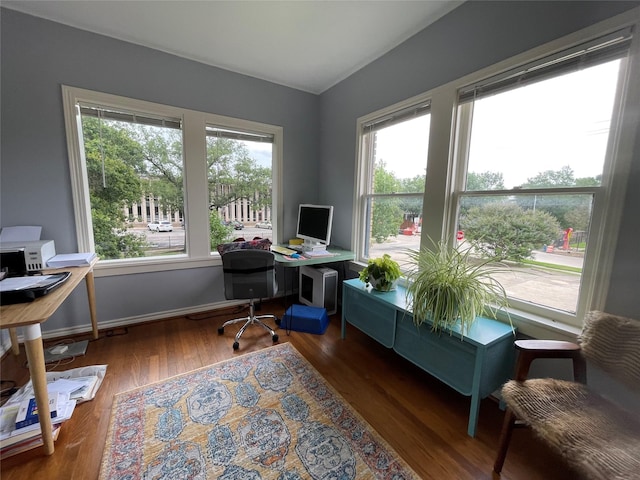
249	274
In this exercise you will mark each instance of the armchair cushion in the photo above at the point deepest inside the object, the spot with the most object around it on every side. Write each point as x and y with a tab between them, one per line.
598	438
612	343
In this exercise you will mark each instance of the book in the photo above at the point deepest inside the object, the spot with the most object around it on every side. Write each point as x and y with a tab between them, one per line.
71	260
25	415
28	411
28	443
25	433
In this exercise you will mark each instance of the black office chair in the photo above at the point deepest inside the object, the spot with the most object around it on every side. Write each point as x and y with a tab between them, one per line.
249	274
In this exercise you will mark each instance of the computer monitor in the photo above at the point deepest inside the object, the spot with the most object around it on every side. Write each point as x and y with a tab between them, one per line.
314	226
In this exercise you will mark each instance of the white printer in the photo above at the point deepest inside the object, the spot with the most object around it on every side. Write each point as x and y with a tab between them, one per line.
21	258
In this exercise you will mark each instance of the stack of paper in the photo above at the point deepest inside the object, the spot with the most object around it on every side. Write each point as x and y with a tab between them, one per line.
19	423
27	440
67	387
63	260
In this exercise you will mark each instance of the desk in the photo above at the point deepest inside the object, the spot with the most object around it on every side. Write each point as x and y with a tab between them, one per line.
339	255
30	316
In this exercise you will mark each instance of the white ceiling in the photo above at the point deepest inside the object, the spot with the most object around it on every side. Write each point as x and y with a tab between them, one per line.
307	44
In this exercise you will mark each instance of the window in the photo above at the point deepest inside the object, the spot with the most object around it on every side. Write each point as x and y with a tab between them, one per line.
240	181
534	148
528	160
158	187
134	166
393	162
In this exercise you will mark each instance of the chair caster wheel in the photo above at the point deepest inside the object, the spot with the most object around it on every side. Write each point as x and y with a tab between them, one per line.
220	330
236	345
275	338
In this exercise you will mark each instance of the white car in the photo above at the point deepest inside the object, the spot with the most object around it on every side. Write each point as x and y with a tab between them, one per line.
162	226
263	225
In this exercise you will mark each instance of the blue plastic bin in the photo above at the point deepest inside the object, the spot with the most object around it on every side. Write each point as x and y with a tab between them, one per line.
302	318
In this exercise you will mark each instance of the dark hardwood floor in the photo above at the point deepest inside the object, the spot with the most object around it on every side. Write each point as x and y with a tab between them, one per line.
422	419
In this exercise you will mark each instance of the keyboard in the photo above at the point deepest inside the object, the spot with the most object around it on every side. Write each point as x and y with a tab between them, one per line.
317	253
282	250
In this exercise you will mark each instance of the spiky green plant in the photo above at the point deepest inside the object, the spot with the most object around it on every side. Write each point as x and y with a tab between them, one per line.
446	286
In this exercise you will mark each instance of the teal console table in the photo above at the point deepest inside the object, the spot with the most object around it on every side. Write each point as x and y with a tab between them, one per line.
475	364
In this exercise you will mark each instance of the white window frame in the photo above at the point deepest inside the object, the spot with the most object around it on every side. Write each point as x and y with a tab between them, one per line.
445	173
197	246
365	168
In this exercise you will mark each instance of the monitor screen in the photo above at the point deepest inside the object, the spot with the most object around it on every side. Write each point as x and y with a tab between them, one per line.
314	224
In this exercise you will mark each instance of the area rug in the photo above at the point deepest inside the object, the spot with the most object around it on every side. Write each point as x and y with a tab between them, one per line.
263	415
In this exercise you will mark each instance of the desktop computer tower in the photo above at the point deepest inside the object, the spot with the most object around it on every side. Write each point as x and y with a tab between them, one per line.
318	287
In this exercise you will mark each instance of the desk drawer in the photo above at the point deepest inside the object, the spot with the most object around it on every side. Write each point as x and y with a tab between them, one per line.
447	358
376	319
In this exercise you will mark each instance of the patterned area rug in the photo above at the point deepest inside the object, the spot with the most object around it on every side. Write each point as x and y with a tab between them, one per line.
264	415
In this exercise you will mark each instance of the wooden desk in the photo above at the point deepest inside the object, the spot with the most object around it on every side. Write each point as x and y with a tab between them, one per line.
30	316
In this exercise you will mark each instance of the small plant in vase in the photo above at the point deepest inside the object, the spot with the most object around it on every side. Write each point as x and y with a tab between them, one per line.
381	273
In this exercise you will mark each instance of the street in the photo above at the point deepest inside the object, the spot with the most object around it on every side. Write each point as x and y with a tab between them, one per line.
175	240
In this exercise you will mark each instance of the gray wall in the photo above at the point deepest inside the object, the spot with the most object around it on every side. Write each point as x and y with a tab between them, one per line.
471	37
38	56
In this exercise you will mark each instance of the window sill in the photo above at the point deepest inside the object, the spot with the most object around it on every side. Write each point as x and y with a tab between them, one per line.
526	323
536	326
153	264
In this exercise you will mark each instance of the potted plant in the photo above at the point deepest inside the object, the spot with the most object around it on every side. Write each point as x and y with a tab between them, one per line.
447	286
382	273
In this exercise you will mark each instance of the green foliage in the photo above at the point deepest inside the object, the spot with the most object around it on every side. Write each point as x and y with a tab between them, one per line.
485	181
506	231
229	164
387	214
112	242
219	233
112	158
565	208
162	165
386	219
579	217
384	270
551	178
446	286
413	185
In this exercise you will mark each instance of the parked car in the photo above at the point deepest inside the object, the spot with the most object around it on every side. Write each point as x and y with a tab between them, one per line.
263	225
237	225
161	226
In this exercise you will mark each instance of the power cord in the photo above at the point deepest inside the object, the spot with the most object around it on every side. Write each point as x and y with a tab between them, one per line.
6	391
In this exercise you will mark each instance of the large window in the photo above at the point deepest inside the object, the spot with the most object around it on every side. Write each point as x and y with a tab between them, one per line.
394	150
240	181
527	161
159	187
534	148
134	170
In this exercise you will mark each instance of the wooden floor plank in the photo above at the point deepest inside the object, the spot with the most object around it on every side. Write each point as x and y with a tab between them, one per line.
421	418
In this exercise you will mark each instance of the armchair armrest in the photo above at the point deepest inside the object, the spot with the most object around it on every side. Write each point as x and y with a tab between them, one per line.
533	349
